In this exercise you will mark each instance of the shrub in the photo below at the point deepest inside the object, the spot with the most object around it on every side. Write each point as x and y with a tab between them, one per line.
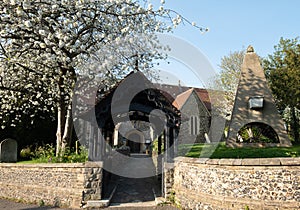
26	153
44	154
71	156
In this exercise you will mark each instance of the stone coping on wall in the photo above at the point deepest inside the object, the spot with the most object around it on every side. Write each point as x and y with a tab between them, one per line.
56	184
242	162
54	165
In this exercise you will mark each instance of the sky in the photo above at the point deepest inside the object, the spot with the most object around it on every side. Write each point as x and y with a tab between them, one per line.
234	25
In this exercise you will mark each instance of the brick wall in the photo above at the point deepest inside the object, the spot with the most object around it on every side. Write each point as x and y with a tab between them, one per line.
237	184
53	184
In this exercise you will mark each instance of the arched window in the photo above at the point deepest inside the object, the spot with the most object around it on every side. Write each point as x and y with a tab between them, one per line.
194	125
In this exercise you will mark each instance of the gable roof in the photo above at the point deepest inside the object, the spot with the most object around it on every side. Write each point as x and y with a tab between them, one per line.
182	98
184	92
204	97
172	90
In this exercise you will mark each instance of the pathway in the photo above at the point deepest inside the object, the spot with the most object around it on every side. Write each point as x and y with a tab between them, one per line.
11	205
138	191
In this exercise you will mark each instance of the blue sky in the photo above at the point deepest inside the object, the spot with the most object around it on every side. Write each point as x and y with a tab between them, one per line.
235	24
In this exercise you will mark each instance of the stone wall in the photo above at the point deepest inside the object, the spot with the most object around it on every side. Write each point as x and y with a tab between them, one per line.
69	185
193	107
237	183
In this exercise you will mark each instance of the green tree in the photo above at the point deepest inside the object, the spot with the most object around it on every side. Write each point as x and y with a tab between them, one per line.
228	78
282	69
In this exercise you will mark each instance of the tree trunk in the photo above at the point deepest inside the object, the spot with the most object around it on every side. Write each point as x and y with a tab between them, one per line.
58	131
66	139
295	125
64	121
61	122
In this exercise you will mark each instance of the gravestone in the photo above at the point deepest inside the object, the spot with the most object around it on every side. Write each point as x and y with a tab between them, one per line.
8	151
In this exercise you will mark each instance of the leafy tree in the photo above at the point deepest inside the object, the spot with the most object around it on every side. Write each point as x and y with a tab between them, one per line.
228	78
283	72
45	45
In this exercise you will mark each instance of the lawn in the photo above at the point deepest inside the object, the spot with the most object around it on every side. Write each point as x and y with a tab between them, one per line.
221	151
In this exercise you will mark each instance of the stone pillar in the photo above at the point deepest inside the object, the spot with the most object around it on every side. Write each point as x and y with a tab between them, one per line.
92	181
168	179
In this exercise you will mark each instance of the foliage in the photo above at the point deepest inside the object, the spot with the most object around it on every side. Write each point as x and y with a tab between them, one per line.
31	131
222	151
46	154
172	199
25	153
155	146
257	133
41	203
283	73
46	45
230	70
228	78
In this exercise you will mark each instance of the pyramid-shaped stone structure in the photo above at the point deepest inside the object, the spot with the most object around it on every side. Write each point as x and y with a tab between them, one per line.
253	88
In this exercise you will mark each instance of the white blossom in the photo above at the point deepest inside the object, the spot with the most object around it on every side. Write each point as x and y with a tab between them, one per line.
54	42
150	7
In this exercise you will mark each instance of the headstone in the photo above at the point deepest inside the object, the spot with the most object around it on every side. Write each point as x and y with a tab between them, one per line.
8	151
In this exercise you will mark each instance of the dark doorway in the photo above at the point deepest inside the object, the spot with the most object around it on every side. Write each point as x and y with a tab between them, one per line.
134	142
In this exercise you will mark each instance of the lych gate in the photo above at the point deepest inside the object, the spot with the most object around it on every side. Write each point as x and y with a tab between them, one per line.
132	118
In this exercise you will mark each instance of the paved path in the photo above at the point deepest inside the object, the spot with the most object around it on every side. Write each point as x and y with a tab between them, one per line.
143	208
137	183
10	205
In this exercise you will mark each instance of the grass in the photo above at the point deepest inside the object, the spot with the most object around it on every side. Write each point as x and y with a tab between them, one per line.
221	151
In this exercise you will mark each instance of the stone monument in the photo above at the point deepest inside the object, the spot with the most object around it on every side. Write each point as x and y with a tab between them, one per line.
254	102
8	151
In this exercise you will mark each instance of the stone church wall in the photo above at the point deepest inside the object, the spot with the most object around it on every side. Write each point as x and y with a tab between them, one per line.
193	107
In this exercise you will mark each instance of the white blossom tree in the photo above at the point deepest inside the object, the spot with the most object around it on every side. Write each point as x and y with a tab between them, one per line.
44	45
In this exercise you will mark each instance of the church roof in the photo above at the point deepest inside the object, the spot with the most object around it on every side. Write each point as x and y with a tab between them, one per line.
201	93
175	91
182	98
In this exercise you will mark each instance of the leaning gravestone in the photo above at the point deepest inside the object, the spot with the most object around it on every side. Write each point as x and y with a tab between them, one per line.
8	151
